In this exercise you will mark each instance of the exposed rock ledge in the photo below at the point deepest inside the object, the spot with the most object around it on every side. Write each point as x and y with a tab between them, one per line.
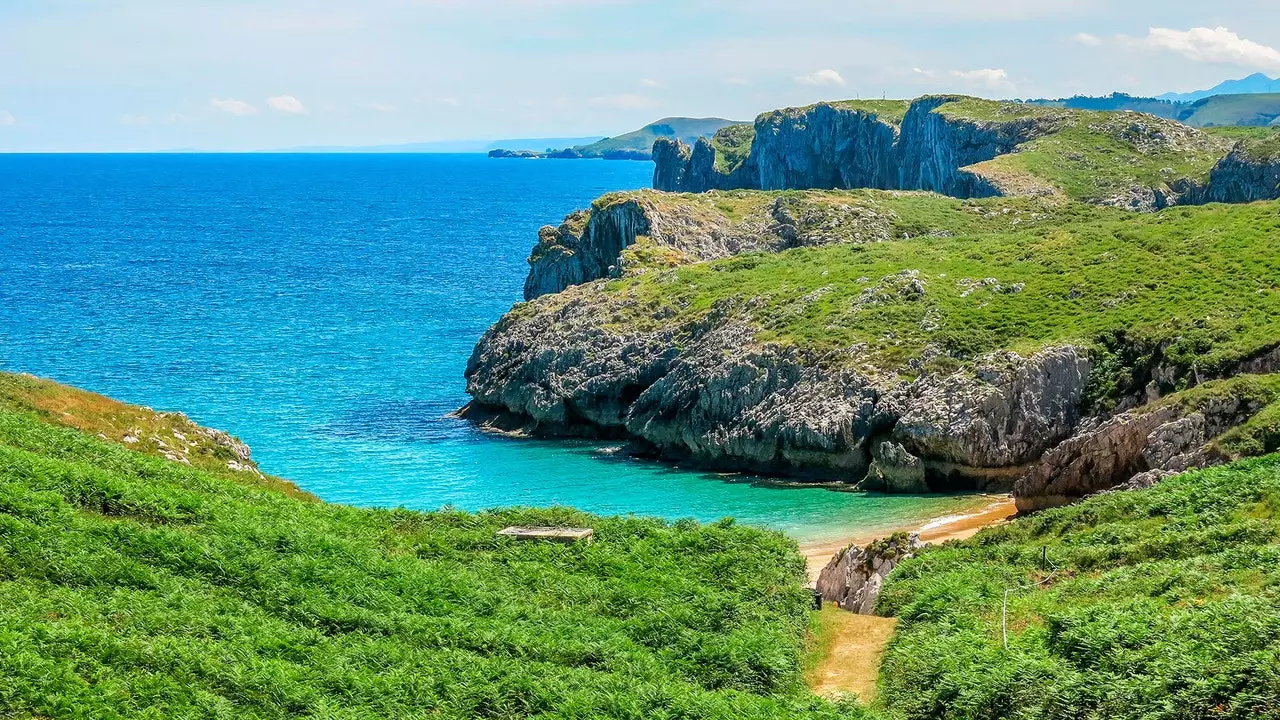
590	244
709	393
854	576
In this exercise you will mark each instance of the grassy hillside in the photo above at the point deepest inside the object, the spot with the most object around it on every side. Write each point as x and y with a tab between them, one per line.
998	273
1231	110
685	129
1094	156
135	586
1155	604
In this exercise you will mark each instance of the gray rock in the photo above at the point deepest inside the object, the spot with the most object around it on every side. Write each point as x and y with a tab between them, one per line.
854	576
830	146
710	393
1244	175
1132	449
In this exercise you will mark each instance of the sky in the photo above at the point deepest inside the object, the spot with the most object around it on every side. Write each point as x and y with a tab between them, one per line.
126	75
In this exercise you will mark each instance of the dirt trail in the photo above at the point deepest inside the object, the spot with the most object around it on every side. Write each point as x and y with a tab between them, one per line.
853	644
852	661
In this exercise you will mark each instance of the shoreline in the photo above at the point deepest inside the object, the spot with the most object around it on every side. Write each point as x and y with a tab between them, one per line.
936	531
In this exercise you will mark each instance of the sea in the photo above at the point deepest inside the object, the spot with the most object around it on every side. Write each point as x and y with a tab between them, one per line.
322	308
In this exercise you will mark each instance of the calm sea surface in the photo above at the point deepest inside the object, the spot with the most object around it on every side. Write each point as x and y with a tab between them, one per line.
322	307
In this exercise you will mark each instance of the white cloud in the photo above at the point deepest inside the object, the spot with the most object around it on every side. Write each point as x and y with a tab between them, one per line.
7	118
1214	45
1086	39
235	107
287	104
650	83
822	77
383	107
624	101
450	101
741	82
135	120
990	78
986	77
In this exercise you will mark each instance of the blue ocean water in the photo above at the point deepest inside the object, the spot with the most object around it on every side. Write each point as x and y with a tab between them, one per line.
322	308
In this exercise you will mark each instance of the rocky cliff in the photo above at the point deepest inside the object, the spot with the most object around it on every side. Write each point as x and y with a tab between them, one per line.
856	336
957	146
1251	172
711	392
852	146
1191	429
658	229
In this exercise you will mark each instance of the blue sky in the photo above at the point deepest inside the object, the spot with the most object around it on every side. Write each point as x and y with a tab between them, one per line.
244	74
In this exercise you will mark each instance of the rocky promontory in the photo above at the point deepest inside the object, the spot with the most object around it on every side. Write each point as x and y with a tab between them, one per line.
892	341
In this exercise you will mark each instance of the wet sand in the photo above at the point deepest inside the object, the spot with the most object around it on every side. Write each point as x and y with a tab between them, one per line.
938	530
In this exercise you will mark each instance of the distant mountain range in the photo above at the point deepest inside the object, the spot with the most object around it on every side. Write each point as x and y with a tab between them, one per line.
635	145
1254	84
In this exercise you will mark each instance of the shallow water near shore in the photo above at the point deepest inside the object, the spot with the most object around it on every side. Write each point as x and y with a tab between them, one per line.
323	307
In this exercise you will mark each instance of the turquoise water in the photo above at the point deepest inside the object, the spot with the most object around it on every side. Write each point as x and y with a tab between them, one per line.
323	309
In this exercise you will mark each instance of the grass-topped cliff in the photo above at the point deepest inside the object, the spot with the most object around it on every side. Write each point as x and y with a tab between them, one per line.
132	585
964	147
894	340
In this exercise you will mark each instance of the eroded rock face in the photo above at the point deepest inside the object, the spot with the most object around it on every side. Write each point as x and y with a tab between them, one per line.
1242	176
829	146
586	246
854	576
710	393
589	244
1004	414
1132	449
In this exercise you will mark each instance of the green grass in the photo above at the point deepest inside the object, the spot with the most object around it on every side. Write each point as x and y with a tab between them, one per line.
1244	132
1156	604
135	587
1229	110
1204	280
1265	148
891	111
1096	156
732	145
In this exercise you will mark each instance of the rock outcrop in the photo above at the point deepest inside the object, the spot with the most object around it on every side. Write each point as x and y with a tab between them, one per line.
1249	174
588	245
854	576
957	146
710	393
835	146
1135	448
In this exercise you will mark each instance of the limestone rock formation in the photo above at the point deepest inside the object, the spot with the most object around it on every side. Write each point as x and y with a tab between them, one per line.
1250	173
589	244
835	146
1133	449
709	392
854	576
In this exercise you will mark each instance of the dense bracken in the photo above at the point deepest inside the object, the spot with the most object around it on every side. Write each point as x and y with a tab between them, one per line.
1159	603
135	586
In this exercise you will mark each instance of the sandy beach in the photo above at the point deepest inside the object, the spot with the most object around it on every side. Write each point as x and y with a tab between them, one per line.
939	530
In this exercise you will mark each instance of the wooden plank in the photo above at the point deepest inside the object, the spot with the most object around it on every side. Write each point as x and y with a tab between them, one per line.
565	535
